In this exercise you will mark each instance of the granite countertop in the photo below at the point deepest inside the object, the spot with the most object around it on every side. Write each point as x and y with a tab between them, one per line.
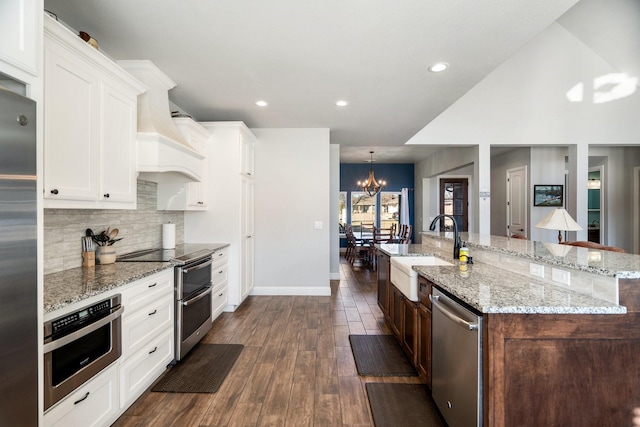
606	263
490	288
67	287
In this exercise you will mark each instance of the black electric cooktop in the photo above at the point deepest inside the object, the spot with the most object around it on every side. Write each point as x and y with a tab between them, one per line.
182	254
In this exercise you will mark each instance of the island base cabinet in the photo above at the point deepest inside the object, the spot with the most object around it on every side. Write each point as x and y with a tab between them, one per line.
396	311
409	335
561	370
93	404
384	267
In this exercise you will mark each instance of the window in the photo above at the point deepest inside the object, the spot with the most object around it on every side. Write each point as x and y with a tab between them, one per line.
389	209
363	211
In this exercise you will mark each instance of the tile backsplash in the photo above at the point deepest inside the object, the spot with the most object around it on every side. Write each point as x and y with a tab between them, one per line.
139	229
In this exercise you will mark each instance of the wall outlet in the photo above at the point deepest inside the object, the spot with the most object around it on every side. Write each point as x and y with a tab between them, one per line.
317	225
536	270
561	276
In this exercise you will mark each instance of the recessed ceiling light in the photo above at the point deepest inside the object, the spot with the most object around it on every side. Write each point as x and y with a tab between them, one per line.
342	103
261	103
440	66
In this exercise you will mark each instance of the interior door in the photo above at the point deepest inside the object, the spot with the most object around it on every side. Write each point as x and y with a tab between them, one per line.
454	201
517	201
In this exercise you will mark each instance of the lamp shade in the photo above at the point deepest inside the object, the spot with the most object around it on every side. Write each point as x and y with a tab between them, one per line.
559	219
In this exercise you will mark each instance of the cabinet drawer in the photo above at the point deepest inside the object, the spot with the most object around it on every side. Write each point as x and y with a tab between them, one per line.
139	371
219	275
219	300
93	404
139	328
144	291
221	256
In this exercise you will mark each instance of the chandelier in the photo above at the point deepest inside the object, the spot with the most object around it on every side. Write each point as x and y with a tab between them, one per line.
371	186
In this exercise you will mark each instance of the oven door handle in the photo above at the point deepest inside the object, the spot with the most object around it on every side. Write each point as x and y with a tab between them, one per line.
56	344
197	267
194	299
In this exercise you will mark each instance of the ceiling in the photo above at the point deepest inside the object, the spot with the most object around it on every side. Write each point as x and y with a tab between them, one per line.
303	56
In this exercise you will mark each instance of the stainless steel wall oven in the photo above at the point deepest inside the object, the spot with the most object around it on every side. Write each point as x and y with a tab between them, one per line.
79	345
193	303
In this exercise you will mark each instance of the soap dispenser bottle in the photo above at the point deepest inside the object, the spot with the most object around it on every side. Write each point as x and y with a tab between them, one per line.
464	253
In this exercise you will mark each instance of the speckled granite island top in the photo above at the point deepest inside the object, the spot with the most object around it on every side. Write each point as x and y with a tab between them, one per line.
606	263
77	284
490	288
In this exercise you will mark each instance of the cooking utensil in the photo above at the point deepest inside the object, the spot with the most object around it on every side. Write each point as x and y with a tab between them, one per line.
113	234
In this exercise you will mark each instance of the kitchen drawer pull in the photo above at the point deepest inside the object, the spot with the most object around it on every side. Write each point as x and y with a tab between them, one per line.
154	350
153	312
221	271
107	195
54	191
82	399
221	293
151	286
221	253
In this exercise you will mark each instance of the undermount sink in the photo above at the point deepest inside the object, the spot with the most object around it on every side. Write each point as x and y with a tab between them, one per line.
405	278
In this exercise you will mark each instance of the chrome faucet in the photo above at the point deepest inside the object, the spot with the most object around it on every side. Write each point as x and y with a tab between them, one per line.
456	237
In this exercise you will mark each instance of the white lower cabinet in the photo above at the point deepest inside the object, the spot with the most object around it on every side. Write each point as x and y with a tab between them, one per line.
219	282
140	370
147	349
147	334
93	404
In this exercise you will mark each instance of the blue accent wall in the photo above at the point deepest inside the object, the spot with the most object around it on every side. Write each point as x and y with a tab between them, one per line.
397	175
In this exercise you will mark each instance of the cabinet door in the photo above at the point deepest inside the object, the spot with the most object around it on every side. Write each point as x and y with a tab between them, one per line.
19	23
410	329
397	311
246	231
118	151
247	157
424	344
70	128
383	283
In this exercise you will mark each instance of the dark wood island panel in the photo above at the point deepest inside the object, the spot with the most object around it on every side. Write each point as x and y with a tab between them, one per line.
561	370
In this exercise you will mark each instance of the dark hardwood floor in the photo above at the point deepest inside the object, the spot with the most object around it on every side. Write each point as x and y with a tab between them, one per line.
296	369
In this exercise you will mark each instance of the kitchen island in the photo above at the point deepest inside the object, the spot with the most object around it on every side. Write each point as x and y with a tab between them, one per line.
553	353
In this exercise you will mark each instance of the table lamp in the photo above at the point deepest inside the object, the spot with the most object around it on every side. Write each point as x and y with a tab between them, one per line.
559	219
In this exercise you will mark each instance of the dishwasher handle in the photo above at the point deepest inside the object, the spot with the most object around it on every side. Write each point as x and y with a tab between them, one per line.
435	301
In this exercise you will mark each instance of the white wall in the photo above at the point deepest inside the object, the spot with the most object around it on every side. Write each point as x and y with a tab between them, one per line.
292	193
499	166
333	213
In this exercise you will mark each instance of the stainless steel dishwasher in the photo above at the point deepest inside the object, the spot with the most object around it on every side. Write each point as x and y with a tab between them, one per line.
456	334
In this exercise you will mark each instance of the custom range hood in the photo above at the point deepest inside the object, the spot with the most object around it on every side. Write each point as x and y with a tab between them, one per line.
163	153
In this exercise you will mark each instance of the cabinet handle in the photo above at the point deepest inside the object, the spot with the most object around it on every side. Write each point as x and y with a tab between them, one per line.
106	196
201	203
220	272
80	400
220	254
153	312
151	286
54	191
221	293
154	350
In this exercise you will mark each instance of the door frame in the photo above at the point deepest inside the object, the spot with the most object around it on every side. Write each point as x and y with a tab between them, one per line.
469	206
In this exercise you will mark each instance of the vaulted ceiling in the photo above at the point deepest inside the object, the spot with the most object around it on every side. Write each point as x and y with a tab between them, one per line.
303	56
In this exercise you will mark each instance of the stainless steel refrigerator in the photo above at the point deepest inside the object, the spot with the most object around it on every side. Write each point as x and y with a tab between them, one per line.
18	262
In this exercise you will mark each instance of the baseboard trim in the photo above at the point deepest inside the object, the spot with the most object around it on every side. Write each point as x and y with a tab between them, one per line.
291	291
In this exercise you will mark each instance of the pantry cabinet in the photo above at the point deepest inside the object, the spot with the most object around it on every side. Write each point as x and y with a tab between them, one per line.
231	185
219	282
90	115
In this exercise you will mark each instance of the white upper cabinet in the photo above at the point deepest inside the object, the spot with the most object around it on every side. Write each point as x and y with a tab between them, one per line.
20	21
90	111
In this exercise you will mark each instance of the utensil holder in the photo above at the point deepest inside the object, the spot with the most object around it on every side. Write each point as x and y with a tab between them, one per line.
88	259
106	254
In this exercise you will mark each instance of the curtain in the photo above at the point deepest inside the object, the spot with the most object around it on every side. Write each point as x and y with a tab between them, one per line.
404	206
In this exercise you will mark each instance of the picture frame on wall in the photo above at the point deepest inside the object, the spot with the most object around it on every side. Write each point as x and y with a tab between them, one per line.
548	195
